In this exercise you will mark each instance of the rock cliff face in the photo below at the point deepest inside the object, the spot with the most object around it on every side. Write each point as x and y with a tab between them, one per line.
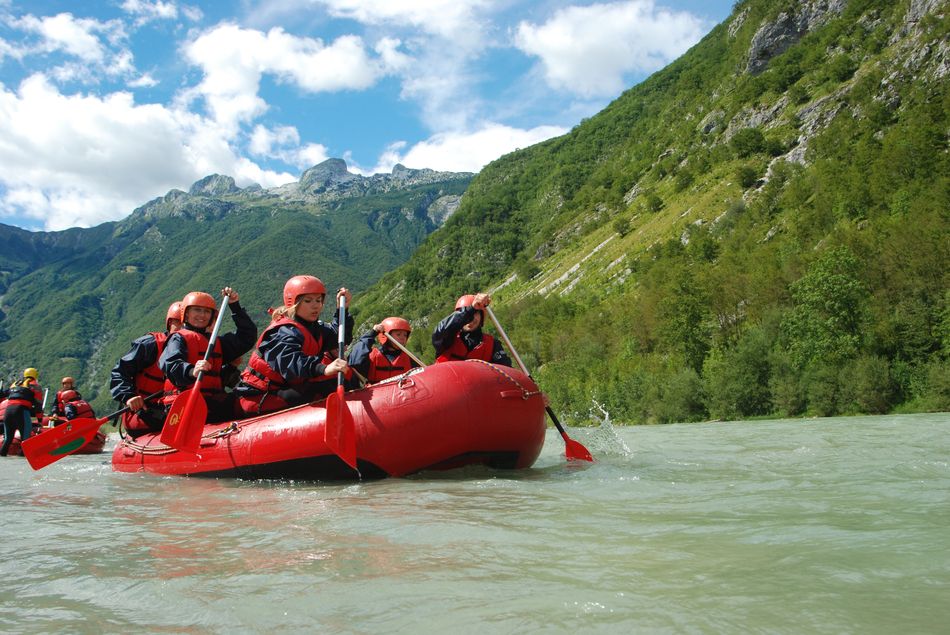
776	37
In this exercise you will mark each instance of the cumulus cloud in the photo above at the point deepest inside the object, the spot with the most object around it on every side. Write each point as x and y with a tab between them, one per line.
78	160
464	151
234	59
588	50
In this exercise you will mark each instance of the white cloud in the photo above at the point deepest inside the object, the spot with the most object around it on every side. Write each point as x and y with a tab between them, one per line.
465	151
588	50
451	19
78	160
146	10
283	143
234	59
68	34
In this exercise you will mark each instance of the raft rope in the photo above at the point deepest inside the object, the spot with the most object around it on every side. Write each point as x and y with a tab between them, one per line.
525	393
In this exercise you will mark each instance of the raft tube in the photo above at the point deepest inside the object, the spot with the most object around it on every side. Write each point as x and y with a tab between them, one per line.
440	417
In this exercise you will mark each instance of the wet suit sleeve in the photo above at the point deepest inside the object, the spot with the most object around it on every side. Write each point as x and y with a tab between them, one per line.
282	349
359	354
174	362
235	344
140	356
446	330
499	356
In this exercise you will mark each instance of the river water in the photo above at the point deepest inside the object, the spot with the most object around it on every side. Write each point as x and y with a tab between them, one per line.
835	525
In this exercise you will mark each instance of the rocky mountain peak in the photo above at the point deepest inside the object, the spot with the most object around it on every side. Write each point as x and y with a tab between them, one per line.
323	175
214	185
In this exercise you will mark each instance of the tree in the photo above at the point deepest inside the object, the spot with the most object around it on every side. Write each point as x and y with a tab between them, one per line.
830	308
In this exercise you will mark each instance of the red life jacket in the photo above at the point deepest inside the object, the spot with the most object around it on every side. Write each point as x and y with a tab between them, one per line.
151	379
381	368
261	376
458	350
83	409
197	344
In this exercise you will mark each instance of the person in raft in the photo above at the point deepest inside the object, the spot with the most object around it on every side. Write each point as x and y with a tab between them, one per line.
459	335
68	383
24	401
136	375
183	357
295	360
386	360
76	407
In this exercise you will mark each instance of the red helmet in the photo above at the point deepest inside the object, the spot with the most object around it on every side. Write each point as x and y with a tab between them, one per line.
301	285
197	298
68	380
393	324
464	301
69	395
174	313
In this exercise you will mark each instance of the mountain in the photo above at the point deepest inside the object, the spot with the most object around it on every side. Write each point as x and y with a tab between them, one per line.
71	301
760	228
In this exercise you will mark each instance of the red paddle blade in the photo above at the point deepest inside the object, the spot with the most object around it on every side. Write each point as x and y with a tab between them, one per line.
575	451
185	421
340	430
51	445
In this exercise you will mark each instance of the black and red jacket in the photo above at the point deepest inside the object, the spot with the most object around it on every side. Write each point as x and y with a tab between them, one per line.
292	353
452	343
378	363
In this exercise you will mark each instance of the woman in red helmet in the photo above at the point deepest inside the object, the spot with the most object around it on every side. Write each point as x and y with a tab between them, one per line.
136	375
295	361
185	350
459	336
386	360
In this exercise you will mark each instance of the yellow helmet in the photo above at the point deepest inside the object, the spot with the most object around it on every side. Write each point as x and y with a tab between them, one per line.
32	373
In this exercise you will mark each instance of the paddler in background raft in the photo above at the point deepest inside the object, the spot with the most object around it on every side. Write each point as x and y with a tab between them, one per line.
66	384
295	361
136	375
24	401
459	335
184	353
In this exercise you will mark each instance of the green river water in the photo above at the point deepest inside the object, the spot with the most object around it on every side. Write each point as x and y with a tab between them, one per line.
787	526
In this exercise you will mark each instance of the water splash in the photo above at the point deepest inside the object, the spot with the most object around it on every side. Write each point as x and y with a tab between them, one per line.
605	436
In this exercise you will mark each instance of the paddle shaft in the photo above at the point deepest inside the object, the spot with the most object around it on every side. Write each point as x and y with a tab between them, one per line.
214	336
341	337
406	351
524	369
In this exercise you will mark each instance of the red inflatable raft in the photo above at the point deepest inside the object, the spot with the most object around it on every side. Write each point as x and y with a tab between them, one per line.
443	416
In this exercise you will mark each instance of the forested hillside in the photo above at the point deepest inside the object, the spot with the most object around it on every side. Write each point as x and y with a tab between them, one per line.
760	228
72	301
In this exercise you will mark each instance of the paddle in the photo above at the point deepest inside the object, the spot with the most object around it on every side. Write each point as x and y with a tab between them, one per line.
340	429
186	418
573	450
53	444
406	351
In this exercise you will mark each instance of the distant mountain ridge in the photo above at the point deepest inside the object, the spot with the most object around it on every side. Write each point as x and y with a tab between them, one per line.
101	287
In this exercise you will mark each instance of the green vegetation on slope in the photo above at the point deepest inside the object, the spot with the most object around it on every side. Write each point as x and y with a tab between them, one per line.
721	244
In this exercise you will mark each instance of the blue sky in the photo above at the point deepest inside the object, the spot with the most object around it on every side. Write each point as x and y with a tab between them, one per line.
105	105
